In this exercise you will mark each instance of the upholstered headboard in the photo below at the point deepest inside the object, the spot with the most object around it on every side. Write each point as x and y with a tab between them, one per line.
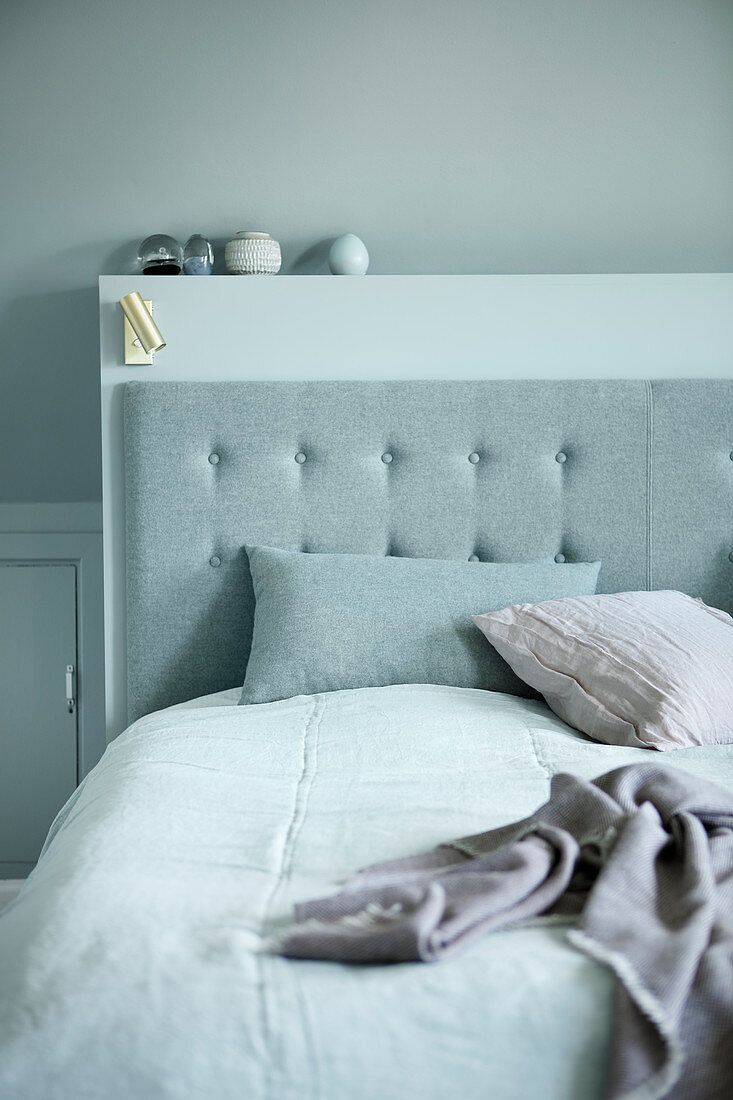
638	474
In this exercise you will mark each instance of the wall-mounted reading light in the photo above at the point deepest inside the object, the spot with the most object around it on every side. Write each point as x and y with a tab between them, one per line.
142	335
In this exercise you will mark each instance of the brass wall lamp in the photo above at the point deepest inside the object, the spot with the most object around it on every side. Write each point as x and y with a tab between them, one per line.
142	335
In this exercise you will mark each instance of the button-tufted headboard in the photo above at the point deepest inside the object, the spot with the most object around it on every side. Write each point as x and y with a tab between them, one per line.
638	474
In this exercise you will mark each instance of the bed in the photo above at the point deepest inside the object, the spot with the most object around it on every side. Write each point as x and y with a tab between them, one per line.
135	962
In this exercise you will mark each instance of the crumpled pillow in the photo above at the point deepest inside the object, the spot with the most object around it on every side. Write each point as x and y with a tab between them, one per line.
647	669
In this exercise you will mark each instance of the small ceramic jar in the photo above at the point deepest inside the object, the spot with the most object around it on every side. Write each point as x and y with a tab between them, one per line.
252	254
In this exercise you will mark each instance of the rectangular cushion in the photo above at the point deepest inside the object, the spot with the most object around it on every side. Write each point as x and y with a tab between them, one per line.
324	622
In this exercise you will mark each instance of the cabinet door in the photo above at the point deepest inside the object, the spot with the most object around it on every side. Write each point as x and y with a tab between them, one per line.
37	729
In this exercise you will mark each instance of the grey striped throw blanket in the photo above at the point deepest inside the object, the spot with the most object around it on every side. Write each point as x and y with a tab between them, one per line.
641	859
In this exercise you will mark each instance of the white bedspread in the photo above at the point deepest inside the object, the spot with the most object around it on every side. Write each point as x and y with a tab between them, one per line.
131	963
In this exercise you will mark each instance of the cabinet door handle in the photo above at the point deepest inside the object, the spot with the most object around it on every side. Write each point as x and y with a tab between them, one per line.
70	700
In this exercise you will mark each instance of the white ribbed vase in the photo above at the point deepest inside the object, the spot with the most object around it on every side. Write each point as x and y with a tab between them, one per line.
252	254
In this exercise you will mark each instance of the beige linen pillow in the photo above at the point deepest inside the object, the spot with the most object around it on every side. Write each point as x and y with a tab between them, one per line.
648	669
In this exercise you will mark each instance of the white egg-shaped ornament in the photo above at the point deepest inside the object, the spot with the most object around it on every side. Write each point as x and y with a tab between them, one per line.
348	256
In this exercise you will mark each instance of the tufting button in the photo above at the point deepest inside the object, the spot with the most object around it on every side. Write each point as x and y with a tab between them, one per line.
214	560
300	458
214	458
474	457
730	556
561	457
559	558
473	557
387	458
731	456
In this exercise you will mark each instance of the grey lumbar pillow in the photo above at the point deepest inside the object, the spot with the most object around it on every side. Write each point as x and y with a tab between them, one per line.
324	622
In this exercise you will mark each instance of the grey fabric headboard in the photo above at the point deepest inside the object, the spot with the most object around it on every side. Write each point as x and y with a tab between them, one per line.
638	474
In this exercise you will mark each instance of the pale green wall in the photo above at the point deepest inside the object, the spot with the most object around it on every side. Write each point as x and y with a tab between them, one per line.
452	135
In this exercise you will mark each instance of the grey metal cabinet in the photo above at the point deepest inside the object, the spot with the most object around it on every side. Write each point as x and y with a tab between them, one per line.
38	712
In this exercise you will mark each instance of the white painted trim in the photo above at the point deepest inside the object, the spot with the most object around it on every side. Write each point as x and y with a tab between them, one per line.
84	515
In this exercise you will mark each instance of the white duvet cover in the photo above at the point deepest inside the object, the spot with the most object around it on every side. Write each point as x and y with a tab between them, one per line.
132	963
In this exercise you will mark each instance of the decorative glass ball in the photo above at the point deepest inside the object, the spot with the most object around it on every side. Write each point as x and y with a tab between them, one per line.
348	256
198	256
160	255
